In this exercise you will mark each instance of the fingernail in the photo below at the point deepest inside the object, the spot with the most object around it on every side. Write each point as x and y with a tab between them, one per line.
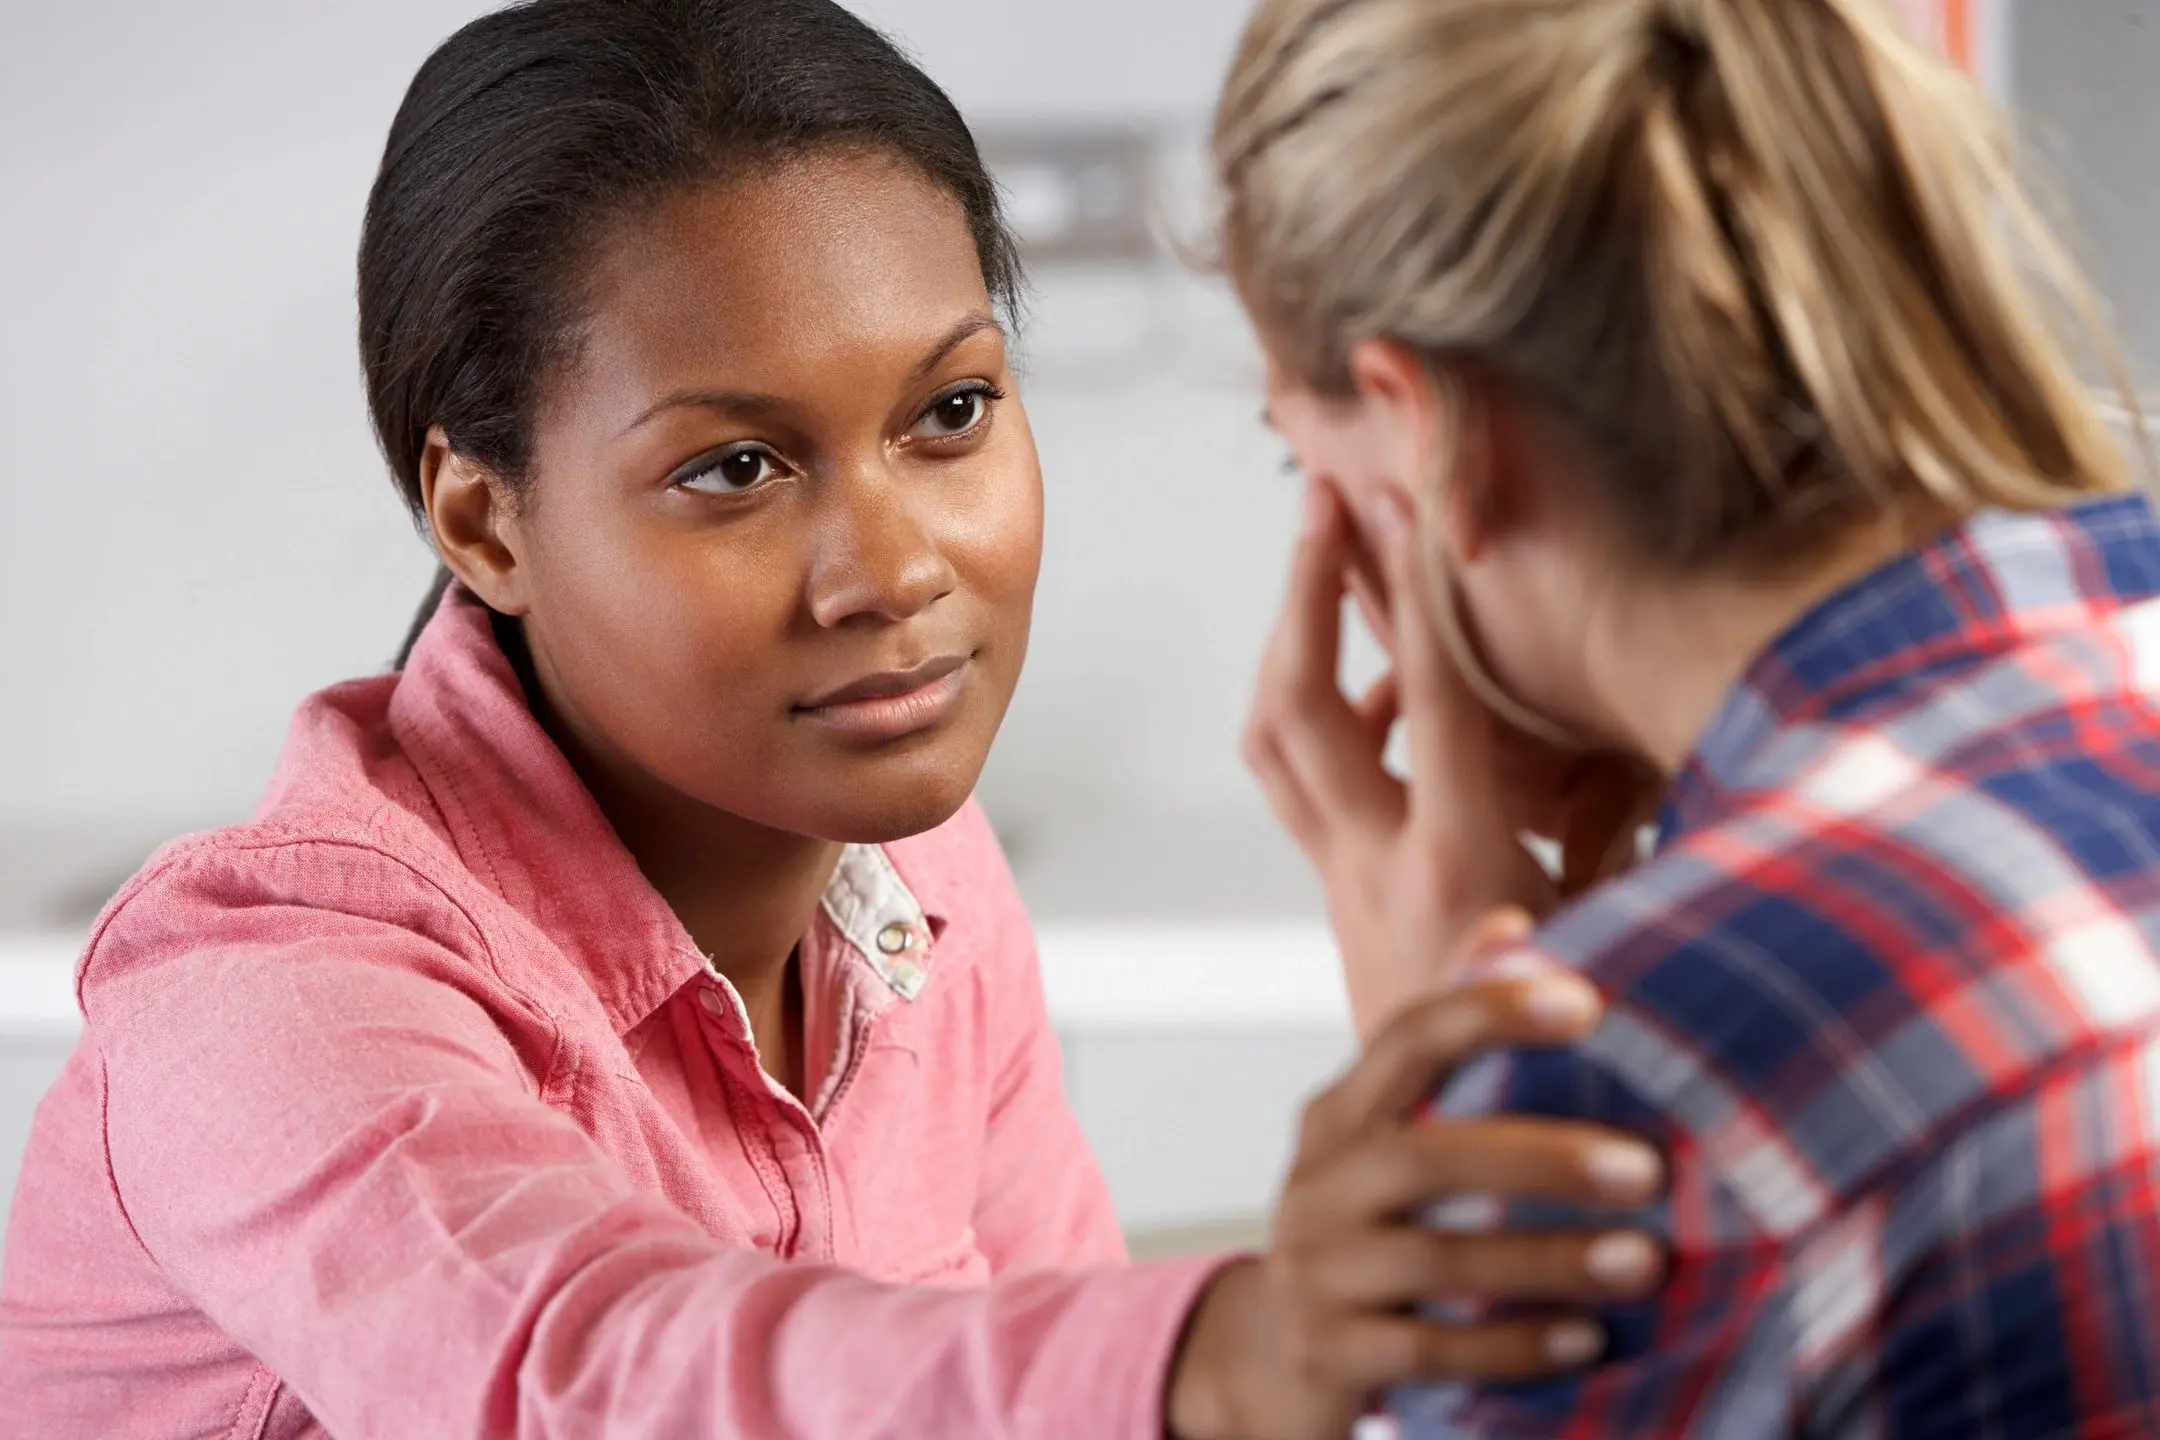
1517	965
1501	929
1315	512
1576	1342
1625	1171
1624	1262
1562	1003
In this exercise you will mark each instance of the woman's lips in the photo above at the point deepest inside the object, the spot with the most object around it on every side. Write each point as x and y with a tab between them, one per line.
889	705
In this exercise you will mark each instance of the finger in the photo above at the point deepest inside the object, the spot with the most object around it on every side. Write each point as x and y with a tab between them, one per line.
1300	708
1369	589
1398	1172
1306	647
1496	930
1279	784
1424	1041
1379	709
1371	1352
1389	1268
1448	729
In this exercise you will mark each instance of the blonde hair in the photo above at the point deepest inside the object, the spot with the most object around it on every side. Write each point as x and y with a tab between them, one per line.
1768	258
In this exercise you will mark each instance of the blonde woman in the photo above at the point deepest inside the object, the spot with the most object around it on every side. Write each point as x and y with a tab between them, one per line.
1685	382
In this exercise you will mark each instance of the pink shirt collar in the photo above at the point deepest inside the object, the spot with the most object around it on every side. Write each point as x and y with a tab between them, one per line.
524	823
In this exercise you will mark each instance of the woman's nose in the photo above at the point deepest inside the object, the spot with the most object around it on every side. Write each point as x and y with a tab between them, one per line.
874	556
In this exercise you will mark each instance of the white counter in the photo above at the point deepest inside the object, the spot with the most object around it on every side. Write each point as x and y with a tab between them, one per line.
37	986
1126	977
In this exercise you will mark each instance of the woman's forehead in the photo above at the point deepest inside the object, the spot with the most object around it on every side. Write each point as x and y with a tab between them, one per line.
767	280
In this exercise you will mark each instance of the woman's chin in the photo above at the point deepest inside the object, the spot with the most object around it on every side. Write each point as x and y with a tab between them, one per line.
884	807
865	826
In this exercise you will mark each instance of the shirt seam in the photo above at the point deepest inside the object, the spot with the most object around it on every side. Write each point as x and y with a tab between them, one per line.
259	1399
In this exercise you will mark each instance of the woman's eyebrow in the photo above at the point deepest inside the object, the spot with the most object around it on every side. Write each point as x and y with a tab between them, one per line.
969	327
749	403
725	402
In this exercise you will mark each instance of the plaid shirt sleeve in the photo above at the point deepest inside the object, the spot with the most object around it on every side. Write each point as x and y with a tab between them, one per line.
1998	1282
1704	1357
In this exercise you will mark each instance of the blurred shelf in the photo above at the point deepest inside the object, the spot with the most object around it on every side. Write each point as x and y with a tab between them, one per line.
1188	975
1240	1235
1115	976
37	986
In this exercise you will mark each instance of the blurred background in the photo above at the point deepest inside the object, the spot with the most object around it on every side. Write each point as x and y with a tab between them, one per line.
195	529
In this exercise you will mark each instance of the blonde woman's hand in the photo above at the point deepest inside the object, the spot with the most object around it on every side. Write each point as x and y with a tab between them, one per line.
1592	807
1294	1345
1405	867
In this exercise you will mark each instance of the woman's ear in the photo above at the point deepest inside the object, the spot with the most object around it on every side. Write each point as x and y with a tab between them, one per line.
1438	445
470	515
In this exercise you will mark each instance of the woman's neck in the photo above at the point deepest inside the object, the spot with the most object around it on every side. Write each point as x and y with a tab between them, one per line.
745	892
1664	662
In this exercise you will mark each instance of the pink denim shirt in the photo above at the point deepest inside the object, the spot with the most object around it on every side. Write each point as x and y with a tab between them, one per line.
410	1110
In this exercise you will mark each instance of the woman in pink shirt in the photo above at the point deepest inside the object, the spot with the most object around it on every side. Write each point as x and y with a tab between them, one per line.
618	1021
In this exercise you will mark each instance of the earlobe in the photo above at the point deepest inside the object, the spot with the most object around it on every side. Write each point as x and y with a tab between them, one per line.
470	519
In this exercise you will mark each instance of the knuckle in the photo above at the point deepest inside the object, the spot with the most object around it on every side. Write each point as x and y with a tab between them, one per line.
1447	1026
1288	1239
1400	1349
1304	1343
1440	1266
1407	1167
1509	1269
1441	1352
1403	1036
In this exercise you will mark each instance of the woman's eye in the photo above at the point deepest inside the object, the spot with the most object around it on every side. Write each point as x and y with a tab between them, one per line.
730	472
955	414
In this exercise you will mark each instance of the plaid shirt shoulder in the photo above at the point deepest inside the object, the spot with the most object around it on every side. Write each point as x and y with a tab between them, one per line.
1888	996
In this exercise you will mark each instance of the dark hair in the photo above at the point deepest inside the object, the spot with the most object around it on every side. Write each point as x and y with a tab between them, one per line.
532	130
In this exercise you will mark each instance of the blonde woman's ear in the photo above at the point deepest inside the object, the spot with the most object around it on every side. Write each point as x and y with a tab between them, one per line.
1408	430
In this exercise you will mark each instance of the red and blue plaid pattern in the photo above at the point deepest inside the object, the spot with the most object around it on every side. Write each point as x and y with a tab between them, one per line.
1888	995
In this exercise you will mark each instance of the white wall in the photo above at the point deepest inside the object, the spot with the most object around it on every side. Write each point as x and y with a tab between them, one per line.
1085	59
2086	77
195	529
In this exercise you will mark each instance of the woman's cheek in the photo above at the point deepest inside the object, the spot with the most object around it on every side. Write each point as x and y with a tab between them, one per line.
1018	533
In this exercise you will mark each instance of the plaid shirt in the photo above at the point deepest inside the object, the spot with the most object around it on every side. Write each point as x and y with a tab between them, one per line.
1888	997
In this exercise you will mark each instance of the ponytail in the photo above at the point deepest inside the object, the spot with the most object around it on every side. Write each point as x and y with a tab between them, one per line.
1767	256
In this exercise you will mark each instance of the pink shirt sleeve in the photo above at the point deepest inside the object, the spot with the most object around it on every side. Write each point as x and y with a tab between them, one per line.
333	1151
